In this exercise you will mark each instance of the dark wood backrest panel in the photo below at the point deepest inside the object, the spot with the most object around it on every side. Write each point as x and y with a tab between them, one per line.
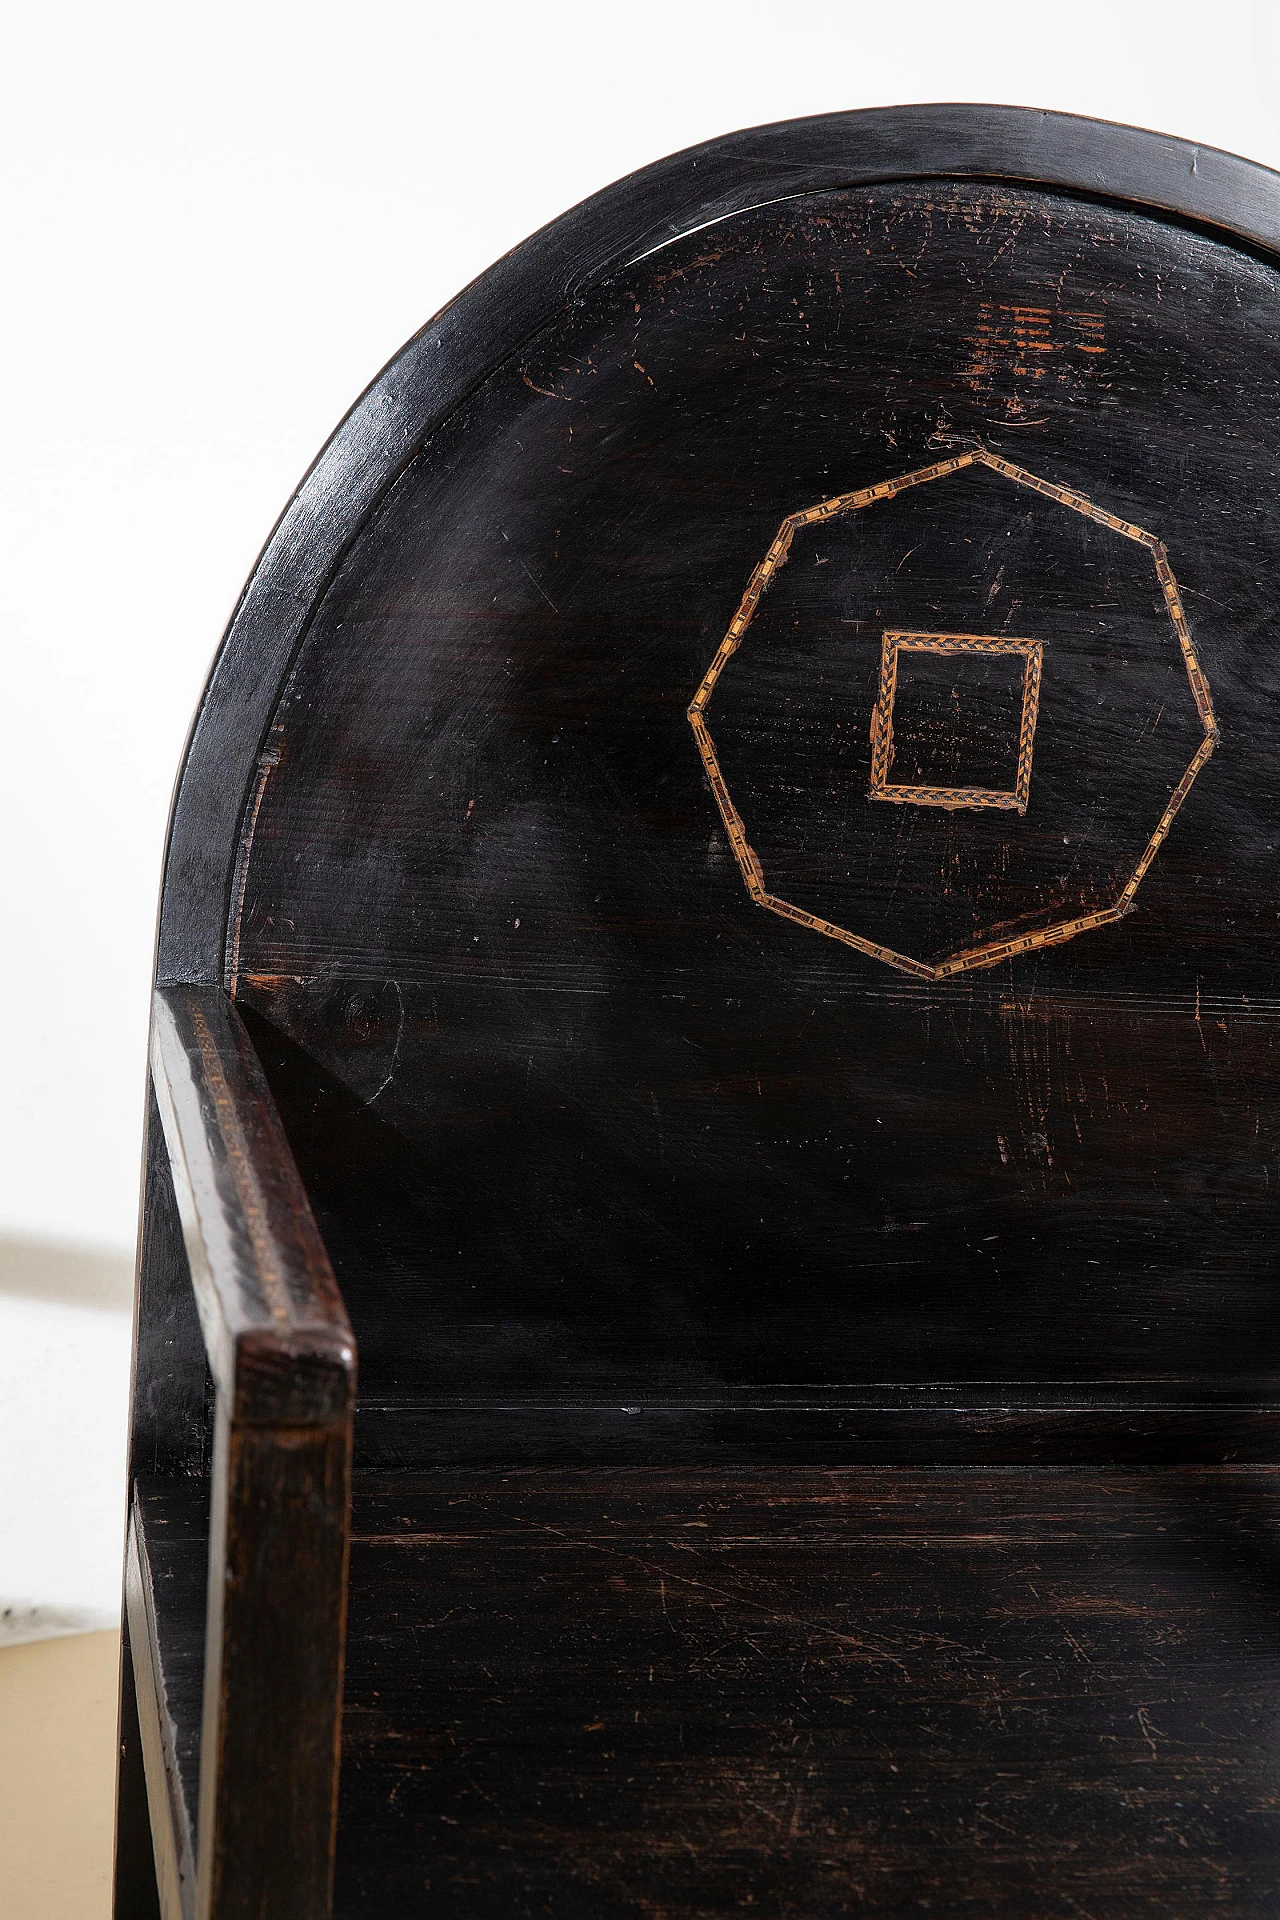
453	353
587	1101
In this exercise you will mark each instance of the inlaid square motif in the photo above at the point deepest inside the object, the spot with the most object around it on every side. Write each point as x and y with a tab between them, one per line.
976	648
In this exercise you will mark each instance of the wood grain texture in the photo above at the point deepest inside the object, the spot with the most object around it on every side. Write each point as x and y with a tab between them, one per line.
245	1614
279	1343
171	1523
614	1169
272	1500
275	1621
172	1829
566	1101
172	1389
451	356
991	1693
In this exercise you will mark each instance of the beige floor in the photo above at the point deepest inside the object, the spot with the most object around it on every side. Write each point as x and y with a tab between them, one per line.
57	1777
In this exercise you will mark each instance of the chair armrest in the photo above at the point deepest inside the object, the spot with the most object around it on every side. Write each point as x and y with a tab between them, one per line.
283	1360
279	1342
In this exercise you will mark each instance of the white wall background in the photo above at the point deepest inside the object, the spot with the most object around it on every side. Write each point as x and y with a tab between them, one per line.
218	222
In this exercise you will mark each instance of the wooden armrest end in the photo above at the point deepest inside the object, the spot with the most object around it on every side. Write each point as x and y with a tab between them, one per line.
283	1359
280	1345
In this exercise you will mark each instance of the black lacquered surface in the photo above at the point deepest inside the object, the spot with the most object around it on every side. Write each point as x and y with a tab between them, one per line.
604	1120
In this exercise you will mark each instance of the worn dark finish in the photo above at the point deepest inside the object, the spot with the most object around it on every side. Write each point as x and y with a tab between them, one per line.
448	360
171	1434
1009	1692
275	1496
566	1100
170	1525
135	1889
738	817
274	1626
275	1329
173	1827
172	1428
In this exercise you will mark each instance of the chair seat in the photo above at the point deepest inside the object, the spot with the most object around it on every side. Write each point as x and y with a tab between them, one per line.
973	1691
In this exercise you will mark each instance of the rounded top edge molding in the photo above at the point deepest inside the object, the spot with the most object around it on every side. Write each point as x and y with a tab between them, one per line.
625	221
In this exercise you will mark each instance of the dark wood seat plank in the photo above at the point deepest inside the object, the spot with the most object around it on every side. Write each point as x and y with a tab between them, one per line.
1019	1692
1041	1692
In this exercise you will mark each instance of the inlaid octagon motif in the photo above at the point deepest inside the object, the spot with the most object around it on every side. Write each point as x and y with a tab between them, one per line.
900	751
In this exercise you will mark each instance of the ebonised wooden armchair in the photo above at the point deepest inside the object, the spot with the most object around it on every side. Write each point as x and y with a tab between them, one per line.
724	884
